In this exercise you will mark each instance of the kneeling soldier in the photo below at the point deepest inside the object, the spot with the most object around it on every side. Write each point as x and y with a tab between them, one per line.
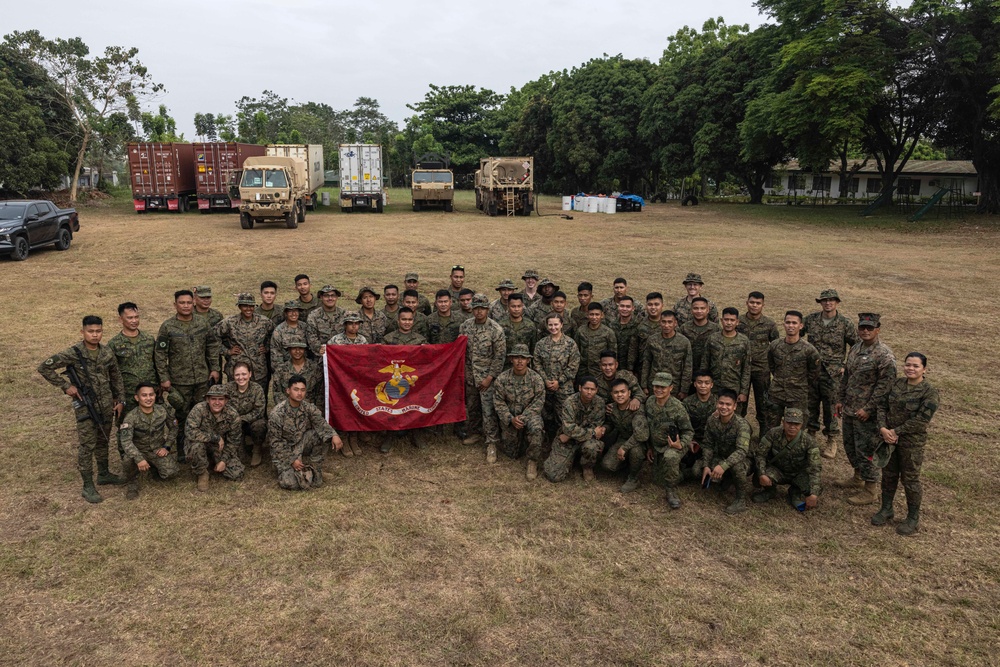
788	455
148	435
518	399
580	431
213	432
626	436
724	452
297	429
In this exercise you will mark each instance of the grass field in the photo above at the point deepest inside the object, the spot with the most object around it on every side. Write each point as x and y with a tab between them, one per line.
434	558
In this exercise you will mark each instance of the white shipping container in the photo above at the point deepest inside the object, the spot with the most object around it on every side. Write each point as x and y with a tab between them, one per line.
311	154
360	168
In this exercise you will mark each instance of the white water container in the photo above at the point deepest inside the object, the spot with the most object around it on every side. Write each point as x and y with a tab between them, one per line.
567	203
593	204
612	205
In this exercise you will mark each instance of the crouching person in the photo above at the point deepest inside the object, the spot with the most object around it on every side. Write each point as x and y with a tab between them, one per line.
213	435
580	431
298	433
625	439
788	455
725	450
148	436
518	400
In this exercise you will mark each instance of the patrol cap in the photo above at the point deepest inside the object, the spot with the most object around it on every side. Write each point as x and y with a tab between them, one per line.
530	273
367	288
480	301
507	283
793	416
411	276
293	305
663	379
245	299
869	320
203	291
328	289
352	316
882	454
519	350
295	343
693	278
217	390
828	294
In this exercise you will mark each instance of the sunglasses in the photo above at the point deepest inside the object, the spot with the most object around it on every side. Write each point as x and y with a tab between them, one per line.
458	267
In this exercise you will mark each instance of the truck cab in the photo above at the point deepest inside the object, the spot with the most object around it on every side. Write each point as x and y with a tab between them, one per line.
272	189
432	188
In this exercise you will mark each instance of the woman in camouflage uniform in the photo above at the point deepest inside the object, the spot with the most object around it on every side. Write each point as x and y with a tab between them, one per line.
249	400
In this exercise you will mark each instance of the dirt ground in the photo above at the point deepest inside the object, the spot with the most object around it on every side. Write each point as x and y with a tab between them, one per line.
434	558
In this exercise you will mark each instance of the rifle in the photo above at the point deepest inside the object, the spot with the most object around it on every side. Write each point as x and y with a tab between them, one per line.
86	399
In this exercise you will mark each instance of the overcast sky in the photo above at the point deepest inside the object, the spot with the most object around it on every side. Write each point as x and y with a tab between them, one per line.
209	53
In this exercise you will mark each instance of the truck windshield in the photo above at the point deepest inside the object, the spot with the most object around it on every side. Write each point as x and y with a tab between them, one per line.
264	178
431	177
12	212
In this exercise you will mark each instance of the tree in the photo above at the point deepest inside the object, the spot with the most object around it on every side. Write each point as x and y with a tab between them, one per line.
464	120
160	127
204	126
262	120
29	157
92	88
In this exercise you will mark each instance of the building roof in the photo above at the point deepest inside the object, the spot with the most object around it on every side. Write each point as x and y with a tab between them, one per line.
911	168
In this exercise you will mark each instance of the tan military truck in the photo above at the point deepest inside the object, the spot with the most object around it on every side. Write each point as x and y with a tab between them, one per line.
273	188
432	184
505	186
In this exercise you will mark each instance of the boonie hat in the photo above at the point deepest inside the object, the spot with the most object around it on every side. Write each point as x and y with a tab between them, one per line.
328	289
520	350
352	316
506	284
693	278
245	299
828	294
366	288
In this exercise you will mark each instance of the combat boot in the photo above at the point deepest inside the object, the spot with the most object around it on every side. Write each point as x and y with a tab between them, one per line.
630	485
764	495
386	445
346	449
491	454
588	473
132	490
89	492
909	526
356	444
317	477
417	440
830	449
255	455
866	495
738	505
203	482
473	439
885	513
672	498
532	470
105	476
854	482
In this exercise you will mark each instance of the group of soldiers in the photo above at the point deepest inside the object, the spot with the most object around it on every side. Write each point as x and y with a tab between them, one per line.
613	384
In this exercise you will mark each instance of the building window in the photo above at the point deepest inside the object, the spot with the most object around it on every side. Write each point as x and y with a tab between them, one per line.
822	183
908	186
874	186
796	181
853	185
772	181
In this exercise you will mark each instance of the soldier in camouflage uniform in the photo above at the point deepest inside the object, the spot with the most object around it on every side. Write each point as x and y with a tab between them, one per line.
411	281
625	437
96	367
297	430
761	330
832	335
517	329
610	305
392	305
442	323
726	448
592	340
795	369
580	431
611	371
530	293
324	322
405	334
374	323
698	330
788	455
484	358
203	305
299	364
248	399
212	435
293	329
457	277
903	417
539	310
693	285
626	328
518	398
558	307
868	374
648	326
700	406
187	359
498	308
585	295
669	353
670	435
350	336
246	337
464	310
306	300
557	359
268	308
133	350
148	438
727	357
420	326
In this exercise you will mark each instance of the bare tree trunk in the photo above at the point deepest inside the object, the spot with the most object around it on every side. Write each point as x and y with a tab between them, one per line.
79	167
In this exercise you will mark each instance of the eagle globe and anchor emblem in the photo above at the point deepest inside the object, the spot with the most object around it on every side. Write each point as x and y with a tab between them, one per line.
394	390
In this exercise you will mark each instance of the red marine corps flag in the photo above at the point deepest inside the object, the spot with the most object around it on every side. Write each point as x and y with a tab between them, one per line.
394	387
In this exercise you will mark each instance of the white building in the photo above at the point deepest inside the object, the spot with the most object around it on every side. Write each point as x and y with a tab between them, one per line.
920	178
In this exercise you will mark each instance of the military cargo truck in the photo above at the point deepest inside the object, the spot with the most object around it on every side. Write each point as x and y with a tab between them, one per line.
361	178
505	186
312	156
432	184
273	188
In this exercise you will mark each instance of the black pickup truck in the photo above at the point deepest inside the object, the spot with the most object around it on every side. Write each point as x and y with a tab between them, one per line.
26	224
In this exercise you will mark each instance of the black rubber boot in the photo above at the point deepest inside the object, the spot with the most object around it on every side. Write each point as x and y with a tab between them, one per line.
909	527
885	513
89	492
105	476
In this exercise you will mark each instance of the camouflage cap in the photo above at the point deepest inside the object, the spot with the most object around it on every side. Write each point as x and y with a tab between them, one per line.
547	281
480	301
520	350
295	343
411	276
828	294
882	454
507	283
367	288
352	316
204	291
869	320
693	278
793	416
245	299
328	289
530	273
217	390
662	379
293	305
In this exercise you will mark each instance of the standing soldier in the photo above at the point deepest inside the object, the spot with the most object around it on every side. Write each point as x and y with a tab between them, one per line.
626	328
246	337
457	277
268	308
133	350
667	353
557	359
519	398
249	401
761	330
795	368
373	322
727	358
620	291
212	434
580	431
405	334
726	448
306	301
518	330
610	372
148	437
786	455
832	335
648	326
868	373
540	309
626	436
324	322
300	364
498	309
670	435
530	293
296	430
203	305
391	307
293	329
411	301
412	282
585	295
187	359
593	339
693	285
350	336
484	358
91	377
443	324
698	329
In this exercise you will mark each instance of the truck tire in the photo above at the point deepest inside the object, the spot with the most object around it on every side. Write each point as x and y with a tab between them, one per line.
491	209
378	205
290	220
63	238
300	215
690	199
449	207
246	222
345	209
311	205
416	207
21	249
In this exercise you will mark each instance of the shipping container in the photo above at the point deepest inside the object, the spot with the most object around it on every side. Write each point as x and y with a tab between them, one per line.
361	177
162	176
312	155
215	166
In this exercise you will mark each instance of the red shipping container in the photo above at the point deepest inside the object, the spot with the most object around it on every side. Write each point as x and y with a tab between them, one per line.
162	175
215	163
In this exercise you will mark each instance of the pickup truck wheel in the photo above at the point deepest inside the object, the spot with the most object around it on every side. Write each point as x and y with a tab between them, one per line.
21	248
290	221
246	222
63	239
449	207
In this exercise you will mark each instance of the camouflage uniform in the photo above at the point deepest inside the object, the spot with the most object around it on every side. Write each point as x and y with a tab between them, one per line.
297	434
556	361
795	369
604	385
628	339
420	325
666	464
307	306
250	405
282	336
830	339
728	359
578	421
251	335
761	333
311	370
424	304
591	343
322	326
578	316
135	363
515	333
683	310
699	336
276	314
484	356
520	396
628	430
728	446
342	339
186	352
907	409
611	309
397	337
212	316
99	371
530	301
868	373
498	310
698	412
141	435
796	462
644	330
667	355
443	329
202	432
373	328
